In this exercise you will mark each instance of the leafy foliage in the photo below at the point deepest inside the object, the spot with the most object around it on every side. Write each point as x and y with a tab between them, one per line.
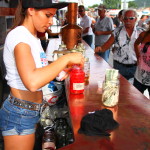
142	3
116	4
132	4
113	4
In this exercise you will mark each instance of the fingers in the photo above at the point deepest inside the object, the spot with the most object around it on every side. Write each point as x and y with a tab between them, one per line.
76	58
98	49
63	78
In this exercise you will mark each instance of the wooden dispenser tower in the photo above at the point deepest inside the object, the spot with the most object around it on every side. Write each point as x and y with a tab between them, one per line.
71	33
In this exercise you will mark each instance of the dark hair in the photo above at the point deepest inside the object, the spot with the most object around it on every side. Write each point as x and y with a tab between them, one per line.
19	15
121	12
143	16
102	6
81	7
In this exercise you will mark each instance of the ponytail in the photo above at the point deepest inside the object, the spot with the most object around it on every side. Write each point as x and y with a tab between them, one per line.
20	14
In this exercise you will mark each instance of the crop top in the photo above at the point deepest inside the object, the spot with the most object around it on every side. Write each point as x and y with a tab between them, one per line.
21	35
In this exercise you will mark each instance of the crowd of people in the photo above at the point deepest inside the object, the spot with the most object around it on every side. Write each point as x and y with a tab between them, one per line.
126	36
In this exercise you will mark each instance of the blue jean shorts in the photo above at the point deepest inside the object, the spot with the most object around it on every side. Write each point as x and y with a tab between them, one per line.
17	121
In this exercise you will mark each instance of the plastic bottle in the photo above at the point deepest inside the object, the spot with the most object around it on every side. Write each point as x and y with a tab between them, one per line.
77	77
87	69
52	87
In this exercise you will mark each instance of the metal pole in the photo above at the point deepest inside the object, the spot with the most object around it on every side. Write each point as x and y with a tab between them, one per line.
124	6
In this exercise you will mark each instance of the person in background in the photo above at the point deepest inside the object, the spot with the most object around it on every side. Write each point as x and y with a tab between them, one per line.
142	74
85	23
27	71
118	20
65	21
142	23
123	38
93	19
102	30
44	40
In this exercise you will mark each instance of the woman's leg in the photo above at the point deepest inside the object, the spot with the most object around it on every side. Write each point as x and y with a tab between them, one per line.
19	142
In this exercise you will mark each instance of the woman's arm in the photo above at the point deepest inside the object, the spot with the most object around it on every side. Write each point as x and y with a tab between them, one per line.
137	43
86	30
35	78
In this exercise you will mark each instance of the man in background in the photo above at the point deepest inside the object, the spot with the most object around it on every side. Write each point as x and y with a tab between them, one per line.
123	38
85	23
102	30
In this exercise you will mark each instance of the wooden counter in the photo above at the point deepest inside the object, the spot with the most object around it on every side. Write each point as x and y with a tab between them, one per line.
132	113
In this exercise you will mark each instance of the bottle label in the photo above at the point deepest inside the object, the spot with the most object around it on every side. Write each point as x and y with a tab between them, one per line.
78	86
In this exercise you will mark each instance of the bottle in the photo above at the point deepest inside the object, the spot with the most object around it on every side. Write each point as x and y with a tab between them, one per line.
87	69
61	131
52	87
77	77
48	141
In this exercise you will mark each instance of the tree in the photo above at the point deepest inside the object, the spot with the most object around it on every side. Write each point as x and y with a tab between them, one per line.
142	3
113	4
132	4
93	6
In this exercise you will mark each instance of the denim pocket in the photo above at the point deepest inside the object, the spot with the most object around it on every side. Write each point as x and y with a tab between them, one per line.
13	117
4	117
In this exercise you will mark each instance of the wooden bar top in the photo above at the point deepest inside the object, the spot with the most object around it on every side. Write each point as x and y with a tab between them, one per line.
4	11
132	113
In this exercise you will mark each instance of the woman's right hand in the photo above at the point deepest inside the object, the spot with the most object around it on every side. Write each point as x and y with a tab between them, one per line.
75	58
98	49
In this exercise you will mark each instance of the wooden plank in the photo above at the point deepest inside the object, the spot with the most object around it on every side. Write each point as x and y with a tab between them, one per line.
4	11
132	113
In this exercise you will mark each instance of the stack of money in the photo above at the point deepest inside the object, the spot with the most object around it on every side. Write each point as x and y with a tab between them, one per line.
110	88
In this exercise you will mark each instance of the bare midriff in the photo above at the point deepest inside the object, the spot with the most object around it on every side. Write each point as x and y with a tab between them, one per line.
35	97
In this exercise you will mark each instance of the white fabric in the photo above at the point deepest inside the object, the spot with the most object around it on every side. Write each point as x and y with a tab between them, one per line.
124	45
86	22
105	24
21	35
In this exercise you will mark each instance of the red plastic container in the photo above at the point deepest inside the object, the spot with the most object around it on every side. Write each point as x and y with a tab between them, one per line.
77	77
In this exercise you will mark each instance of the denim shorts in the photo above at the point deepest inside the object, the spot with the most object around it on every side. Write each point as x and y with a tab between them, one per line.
17	121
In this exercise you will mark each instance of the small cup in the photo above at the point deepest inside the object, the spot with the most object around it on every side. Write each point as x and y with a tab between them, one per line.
100	86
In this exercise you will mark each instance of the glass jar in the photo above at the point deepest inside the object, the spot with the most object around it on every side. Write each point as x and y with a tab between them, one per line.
77	77
87	69
110	93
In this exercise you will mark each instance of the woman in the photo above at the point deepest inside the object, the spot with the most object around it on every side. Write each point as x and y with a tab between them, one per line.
142	49
27	72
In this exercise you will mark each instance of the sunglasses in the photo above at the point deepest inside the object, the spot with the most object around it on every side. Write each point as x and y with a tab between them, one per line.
130	18
80	10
